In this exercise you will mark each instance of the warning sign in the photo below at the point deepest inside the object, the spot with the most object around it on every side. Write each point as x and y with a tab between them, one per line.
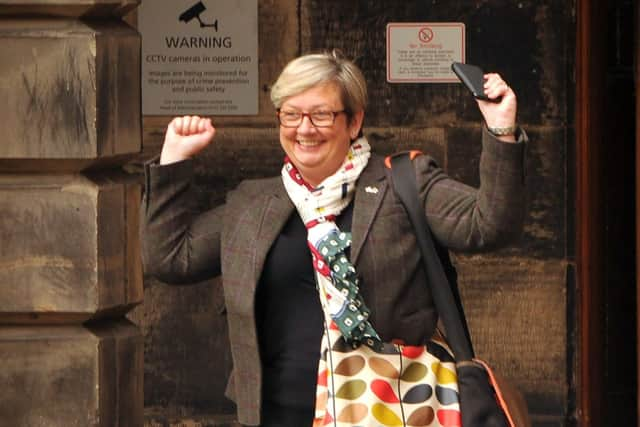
199	57
423	52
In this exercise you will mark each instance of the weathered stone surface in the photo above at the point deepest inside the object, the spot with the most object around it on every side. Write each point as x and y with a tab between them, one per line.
71	93
68	8
527	48
207	420
187	356
516	309
68	376
69	247
279	43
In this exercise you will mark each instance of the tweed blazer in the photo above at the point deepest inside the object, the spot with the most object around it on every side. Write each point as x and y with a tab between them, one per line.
182	245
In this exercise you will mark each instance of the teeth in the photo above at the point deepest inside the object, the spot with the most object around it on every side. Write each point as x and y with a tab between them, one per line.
309	143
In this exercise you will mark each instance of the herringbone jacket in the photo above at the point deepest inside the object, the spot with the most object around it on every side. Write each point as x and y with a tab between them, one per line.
182	245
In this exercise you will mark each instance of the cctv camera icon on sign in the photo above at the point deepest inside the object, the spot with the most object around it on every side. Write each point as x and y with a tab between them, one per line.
194	12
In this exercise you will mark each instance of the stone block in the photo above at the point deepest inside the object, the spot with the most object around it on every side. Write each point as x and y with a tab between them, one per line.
69	247
71	93
68	8
389	140
68	376
187	355
207	420
516	308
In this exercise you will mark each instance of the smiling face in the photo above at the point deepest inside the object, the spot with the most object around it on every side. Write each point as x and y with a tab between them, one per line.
318	152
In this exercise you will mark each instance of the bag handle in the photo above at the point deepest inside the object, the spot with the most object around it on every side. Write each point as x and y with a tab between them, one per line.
449	309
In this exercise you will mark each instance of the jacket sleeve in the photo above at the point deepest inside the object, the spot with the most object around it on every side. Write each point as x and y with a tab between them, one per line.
468	219
179	243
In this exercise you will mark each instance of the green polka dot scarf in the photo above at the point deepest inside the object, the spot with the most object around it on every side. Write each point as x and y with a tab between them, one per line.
336	277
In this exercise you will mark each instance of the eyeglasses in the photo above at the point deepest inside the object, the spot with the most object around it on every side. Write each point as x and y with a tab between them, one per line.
320	119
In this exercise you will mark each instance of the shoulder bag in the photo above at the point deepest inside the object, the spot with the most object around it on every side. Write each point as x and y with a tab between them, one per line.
440	383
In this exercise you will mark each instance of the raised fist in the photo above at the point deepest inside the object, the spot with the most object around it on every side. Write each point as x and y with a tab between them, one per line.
186	136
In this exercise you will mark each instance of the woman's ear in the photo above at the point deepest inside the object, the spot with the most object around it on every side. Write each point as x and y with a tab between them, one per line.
356	124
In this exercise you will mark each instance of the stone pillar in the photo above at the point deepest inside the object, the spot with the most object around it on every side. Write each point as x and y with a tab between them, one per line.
69	247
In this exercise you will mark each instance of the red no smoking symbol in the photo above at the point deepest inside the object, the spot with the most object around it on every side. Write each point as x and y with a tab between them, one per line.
425	35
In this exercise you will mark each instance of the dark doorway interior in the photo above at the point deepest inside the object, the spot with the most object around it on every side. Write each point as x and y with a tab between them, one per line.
620	372
605	215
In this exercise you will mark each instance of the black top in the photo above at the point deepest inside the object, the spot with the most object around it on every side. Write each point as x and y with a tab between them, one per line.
289	317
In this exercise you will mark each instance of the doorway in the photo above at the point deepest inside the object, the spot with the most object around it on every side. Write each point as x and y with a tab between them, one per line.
606	186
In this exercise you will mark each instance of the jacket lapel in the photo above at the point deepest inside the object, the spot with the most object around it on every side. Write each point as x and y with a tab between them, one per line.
277	209
370	191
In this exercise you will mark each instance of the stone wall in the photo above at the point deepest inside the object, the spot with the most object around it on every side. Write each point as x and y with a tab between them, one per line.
517	299
69	248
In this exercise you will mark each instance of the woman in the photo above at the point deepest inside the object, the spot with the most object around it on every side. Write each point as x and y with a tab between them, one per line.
261	240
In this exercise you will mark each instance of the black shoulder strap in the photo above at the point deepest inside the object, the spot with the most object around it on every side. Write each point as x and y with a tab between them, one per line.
446	299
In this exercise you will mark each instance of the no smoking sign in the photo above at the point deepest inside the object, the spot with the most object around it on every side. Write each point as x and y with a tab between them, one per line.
425	34
422	52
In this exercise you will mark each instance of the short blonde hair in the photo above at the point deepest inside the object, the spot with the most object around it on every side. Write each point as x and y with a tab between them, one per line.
311	70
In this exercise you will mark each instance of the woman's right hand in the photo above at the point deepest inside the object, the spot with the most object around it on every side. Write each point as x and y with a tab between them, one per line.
186	136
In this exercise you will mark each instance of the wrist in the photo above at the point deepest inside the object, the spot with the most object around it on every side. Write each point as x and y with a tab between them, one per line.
500	131
168	157
503	133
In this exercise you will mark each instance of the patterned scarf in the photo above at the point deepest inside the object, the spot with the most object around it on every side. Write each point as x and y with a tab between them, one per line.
335	275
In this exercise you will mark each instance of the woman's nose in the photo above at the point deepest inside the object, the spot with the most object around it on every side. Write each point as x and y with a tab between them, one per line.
305	125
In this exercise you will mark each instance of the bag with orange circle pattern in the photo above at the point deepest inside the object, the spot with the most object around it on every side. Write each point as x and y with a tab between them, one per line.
430	385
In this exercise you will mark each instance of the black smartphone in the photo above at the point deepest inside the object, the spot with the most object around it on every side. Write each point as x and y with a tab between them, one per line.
472	77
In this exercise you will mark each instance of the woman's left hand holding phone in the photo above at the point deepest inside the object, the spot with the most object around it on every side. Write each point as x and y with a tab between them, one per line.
500	114
186	136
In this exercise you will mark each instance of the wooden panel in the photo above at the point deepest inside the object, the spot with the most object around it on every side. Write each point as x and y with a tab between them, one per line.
68	8
65	240
636	78
68	92
590	69
516	308
61	376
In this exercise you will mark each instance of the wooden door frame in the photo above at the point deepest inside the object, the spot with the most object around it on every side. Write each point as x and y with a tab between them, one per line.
636	64
590	84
